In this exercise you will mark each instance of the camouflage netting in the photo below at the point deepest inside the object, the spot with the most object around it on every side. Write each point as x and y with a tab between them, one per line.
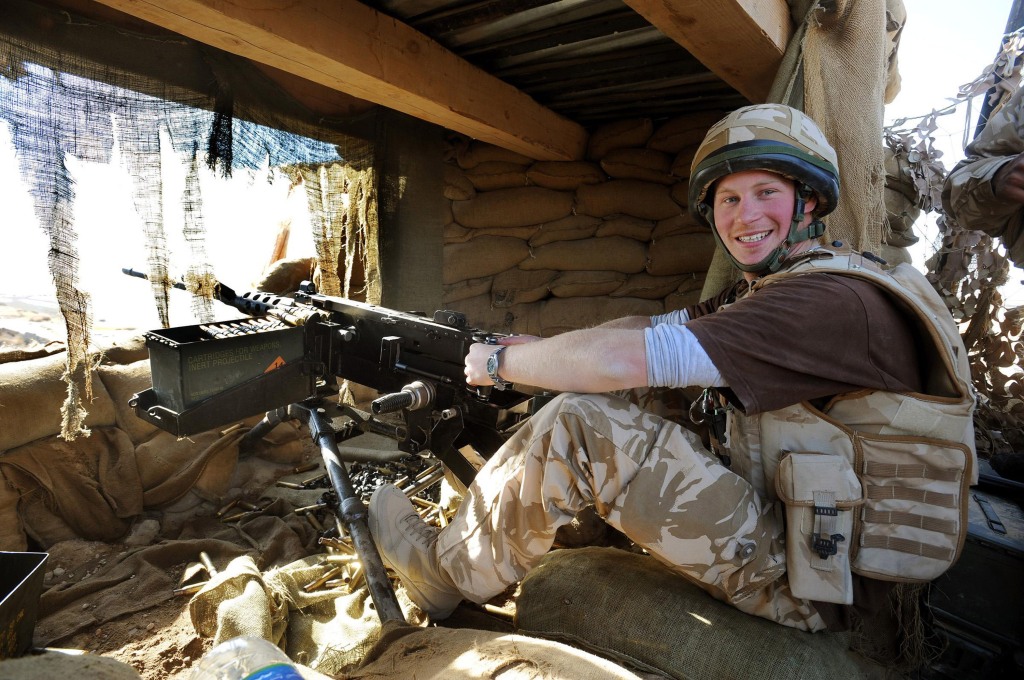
62	106
969	268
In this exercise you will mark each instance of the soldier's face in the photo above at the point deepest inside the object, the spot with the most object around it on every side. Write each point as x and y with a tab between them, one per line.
753	212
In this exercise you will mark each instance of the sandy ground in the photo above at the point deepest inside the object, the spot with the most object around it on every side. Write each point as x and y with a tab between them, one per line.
159	643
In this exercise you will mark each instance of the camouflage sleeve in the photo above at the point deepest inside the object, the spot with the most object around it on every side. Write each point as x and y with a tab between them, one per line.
967	194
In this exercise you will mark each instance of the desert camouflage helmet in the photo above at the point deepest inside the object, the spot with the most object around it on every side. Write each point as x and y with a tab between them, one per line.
771	137
779	139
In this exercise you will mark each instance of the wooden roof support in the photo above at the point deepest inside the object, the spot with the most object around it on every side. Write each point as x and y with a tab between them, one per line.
350	47
741	41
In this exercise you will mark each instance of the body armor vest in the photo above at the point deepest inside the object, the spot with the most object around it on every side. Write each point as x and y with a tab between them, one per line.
874	482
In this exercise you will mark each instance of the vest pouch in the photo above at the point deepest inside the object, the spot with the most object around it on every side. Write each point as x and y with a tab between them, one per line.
820	493
913	523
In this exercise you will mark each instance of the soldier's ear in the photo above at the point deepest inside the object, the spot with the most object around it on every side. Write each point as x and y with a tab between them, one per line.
810	204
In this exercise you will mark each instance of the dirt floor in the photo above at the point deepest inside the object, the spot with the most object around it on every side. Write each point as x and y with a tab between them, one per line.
159	643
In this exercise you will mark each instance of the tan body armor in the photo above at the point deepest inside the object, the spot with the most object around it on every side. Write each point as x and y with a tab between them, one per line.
875	482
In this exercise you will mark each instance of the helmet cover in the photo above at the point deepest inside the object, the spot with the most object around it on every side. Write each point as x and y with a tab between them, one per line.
771	137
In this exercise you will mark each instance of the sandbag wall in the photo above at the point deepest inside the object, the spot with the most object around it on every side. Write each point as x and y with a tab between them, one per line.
550	246
96	486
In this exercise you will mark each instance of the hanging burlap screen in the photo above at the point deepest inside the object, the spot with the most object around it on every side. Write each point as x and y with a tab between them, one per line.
61	104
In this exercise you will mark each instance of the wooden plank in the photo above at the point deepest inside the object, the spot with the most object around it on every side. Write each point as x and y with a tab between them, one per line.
350	47
741	41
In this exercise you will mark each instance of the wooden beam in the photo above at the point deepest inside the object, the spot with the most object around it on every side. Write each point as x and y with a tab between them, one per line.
348	46
741	41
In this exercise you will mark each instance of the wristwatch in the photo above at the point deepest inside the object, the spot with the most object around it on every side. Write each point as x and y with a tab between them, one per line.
492	369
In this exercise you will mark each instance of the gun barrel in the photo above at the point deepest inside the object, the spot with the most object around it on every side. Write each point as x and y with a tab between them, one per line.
142	275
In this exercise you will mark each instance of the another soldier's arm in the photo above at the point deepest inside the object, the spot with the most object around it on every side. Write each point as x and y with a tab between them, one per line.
986	189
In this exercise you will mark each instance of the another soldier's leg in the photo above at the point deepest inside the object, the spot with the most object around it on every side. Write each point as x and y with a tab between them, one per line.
647	476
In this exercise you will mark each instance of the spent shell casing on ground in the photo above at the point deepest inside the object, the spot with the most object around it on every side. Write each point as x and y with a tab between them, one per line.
324	578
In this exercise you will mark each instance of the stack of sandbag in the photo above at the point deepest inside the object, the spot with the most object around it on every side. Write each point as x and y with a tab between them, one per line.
550	246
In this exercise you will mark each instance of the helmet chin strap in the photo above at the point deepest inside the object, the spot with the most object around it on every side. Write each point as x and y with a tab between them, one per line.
774	260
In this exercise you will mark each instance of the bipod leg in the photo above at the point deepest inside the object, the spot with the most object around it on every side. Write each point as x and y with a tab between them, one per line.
352	513
271	420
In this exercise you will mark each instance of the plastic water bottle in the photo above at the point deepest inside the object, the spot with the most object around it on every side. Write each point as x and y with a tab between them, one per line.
245	658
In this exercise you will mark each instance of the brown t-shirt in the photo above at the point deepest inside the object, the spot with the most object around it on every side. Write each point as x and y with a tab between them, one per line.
806	338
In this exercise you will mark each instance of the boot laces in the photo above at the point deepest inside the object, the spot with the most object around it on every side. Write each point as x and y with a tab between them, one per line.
422	532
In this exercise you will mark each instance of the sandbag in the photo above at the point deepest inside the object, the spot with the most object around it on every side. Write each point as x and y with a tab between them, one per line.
687	294
284	276
564	175
518	286
648	165
519	318
456	233
568	228
461	290
645	200
630	227
467	654
680	193
631	607
678	224
481	152
681	254
457	186
684	160
617	135
586	283
125	350
123	382
483	256
613	253
683	131
647	286
12	354
513	207
31	396
492	175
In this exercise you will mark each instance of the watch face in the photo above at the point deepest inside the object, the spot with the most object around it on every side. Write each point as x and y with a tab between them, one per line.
492	366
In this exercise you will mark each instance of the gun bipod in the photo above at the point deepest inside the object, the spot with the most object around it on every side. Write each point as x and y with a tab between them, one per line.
350	509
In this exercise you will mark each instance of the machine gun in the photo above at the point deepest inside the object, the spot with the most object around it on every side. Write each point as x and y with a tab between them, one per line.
285	359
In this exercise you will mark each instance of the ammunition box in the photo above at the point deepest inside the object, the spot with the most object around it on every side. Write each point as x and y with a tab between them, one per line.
190	364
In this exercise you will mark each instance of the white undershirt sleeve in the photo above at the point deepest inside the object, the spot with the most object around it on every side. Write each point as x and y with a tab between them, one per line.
676	359
679	316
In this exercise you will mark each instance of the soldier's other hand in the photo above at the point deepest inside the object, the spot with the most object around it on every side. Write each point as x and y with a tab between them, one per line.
1008	183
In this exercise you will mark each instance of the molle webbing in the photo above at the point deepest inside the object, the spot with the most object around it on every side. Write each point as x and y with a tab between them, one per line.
909	519
903	493
878	469
907	546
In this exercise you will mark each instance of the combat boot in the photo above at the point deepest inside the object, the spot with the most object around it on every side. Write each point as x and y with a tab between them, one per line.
408	545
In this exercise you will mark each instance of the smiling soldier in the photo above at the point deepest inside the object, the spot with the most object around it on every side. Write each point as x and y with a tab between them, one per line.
837	395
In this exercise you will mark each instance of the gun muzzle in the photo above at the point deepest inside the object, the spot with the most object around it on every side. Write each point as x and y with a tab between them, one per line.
414	396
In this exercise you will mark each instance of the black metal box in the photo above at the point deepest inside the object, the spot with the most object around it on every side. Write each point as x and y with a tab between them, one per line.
978	605
193	363
21	582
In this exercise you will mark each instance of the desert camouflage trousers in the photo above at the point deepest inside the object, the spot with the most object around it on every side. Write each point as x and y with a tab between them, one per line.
646	476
